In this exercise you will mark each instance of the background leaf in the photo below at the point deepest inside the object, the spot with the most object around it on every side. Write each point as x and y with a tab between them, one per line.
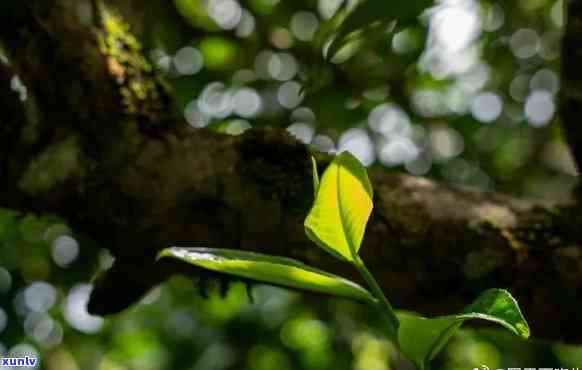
422	338
337	221
270	270
369	12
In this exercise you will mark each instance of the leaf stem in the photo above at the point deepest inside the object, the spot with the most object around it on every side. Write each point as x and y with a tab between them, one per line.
383	305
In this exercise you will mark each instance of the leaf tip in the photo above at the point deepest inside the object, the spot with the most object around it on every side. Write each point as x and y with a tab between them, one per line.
351	161
166	252
523	330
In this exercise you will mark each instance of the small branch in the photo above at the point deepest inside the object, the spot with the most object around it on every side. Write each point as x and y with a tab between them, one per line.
384	305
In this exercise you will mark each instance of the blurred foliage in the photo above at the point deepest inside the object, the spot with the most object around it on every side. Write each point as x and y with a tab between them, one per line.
466	95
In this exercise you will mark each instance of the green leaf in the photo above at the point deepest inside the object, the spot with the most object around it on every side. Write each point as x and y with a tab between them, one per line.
421	339
368	13
270	270
337	221
229	127
220	126
315	176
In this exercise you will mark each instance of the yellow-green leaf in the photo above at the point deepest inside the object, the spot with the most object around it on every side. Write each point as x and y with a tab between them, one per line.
337	221
267	269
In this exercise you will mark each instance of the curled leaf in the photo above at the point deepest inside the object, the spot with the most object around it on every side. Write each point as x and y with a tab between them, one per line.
421	339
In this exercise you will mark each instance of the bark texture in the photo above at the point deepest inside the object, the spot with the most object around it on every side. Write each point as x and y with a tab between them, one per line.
96	141
571	92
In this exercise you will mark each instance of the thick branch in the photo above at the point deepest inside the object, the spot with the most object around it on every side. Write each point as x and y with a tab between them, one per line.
130	175
571	92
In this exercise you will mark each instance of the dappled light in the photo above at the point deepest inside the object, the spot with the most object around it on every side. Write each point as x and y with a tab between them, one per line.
454	78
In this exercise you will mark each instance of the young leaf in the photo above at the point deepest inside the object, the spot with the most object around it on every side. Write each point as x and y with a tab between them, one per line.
270	270
368	12
337	221
315	176
421	339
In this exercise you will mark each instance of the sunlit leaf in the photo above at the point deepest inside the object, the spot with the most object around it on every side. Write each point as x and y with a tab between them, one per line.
370	12
337	221
270	270
422	338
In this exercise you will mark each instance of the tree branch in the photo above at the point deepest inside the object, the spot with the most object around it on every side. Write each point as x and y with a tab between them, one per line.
571	91
113	159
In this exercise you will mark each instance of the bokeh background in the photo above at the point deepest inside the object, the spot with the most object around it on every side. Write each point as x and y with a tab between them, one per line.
466	95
